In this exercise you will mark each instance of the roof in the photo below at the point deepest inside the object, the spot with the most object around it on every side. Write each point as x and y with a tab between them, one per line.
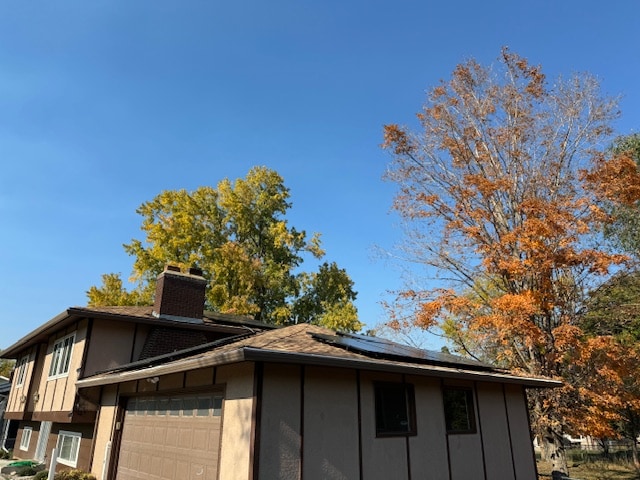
304	345
220	322
5	386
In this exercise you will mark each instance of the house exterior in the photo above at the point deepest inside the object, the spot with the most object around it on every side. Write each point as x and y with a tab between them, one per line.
164	392
306	402
44	401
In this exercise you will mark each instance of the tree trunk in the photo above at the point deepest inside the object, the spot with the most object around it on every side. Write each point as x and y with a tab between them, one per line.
552	448
634	453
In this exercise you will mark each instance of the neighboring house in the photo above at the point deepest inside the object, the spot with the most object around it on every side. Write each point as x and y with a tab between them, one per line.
306	402
5	388
44	402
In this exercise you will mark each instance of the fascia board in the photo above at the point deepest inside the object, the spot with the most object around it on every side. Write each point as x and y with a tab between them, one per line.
202	361
256	354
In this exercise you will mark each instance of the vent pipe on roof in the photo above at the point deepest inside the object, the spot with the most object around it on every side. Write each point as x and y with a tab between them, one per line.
180	296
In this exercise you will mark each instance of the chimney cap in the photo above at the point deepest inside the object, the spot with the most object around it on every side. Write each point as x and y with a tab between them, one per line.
195	271
172	268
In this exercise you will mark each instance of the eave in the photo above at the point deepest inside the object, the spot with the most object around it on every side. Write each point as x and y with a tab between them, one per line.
263	355
44	331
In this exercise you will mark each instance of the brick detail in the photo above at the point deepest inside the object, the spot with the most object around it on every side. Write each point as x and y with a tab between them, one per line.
180	294
162	340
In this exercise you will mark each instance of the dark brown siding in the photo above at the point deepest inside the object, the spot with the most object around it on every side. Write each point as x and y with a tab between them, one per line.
84	454
26	454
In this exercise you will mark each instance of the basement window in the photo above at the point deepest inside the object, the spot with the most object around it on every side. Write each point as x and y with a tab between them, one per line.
395	409
68	447
25	440
61	356
459	410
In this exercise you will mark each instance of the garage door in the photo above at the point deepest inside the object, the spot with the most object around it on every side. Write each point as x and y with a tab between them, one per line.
171	437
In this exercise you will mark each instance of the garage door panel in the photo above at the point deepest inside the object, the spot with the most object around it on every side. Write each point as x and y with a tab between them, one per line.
175	442
184	437
168	469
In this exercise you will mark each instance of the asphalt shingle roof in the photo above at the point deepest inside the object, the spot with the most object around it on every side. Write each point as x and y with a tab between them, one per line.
300	344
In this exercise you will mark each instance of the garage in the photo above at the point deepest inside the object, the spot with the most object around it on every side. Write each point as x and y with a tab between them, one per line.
171	437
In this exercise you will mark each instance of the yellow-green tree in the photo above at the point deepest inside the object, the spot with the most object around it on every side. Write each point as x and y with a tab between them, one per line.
624	230
6	366
238	235
499	190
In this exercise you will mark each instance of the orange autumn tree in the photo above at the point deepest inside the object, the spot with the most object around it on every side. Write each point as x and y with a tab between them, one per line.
606	373
495	192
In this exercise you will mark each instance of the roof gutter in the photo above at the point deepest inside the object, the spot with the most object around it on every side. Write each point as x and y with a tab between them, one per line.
71	313
261	355
256	354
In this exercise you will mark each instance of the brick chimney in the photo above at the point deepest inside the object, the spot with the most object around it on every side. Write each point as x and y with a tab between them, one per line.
180	296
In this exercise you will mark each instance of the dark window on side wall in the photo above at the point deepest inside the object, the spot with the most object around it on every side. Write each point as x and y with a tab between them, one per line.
458	410
395	409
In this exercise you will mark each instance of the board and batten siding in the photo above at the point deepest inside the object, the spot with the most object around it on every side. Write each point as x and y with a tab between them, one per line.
317	422
58	394
382	457
19	394
428	449
520	430
295	422
496	439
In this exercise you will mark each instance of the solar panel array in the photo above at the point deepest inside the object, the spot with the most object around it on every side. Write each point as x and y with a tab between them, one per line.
381	348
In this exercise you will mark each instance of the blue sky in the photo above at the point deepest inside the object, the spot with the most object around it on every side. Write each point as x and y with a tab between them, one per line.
104	104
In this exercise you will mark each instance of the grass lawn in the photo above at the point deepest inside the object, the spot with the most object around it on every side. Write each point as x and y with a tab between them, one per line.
594	470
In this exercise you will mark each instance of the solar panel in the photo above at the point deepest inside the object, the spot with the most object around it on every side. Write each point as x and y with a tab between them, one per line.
381	348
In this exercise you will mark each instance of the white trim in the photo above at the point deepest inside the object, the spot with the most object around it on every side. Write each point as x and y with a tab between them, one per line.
25	440
43	439
75	438
21	370
61	357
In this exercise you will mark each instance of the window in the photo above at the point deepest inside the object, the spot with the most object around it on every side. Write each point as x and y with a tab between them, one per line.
395	409
217	405
21	370
197	405
68	447
458	410
26	438
61	356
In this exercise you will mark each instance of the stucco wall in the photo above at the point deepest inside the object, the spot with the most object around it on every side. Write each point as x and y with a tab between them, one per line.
330	429
105	423
237	420
111	346
281	422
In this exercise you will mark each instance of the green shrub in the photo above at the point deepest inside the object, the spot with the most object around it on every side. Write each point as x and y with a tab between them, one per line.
26	471
8	455
65	475
74	475
41	475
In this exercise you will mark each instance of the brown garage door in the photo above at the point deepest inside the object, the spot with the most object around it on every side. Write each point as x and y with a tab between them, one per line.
171	438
